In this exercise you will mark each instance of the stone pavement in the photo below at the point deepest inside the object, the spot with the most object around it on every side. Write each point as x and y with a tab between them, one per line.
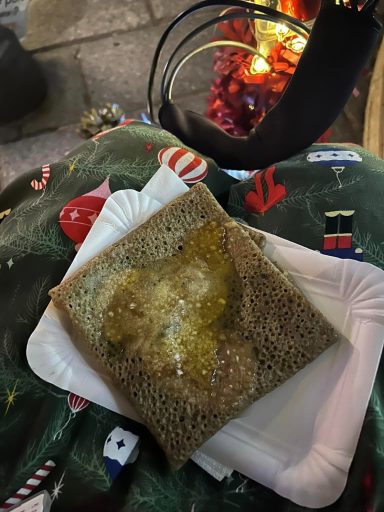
93	51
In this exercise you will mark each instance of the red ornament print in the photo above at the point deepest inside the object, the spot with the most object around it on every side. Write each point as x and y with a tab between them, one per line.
78	216
188	166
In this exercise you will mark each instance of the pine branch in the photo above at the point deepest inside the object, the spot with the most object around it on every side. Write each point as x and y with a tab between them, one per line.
38	452
8	347
236	201
315	216
373	252
147	133
46	240
6	425
36	300
27	208
101	414
376	405
317	220
32	233
235	211
90	466
144	503
154	493
11	370
134	173
40	204
377	170
166	494
36	238
375	409
299	197
152	496
379	449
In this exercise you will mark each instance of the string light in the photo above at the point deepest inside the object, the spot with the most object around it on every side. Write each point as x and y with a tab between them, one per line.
281	31
259	65
297	44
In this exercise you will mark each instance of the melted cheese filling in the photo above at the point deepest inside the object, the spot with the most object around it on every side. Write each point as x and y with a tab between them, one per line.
174	312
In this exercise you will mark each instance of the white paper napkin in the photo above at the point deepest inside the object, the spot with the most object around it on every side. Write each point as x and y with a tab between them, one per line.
211	466
164	186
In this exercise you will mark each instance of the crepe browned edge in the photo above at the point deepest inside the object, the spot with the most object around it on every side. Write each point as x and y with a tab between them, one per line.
257	237
280	331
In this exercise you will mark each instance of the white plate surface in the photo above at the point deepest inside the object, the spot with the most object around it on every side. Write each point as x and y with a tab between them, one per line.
298	440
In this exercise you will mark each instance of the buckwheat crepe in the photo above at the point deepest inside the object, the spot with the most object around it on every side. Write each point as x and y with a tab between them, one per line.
192	321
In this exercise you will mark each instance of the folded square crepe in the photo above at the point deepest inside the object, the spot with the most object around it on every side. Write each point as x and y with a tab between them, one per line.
192	321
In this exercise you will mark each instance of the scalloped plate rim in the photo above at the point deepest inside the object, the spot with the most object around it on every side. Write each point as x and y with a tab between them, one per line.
272	241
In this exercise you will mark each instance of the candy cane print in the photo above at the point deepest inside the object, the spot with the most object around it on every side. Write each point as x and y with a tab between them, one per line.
39	185
29	486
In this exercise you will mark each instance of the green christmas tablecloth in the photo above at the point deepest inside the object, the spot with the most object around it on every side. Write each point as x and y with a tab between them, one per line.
327	198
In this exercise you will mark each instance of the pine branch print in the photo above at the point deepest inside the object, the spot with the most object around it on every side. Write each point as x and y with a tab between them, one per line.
147	133
102	415
376	414
35	301
25	210
36	238
133	173
317	220
175	492
38	451
159	494
299	197
236	201
40	204
373	252
235	211
11	371
376	170
375	410
8	347
90	466
45	447
6	425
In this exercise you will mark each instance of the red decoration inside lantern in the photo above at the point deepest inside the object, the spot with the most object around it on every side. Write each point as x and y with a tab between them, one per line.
239	99
301	9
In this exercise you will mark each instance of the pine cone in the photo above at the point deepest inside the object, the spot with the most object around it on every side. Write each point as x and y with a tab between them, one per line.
105	118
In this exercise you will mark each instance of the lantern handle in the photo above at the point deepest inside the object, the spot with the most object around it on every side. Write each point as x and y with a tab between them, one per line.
296	26
324	79
242	4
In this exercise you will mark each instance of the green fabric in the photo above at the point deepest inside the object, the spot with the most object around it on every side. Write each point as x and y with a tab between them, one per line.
38	425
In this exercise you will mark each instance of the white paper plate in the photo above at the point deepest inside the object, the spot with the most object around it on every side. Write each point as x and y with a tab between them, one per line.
298	440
